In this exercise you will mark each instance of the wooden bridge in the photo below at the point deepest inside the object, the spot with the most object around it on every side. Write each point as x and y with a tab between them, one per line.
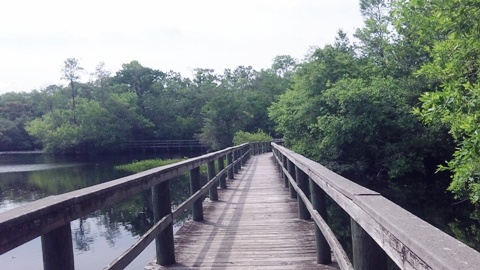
254	223
269	214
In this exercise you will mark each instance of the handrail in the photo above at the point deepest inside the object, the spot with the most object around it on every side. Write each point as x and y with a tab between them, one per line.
129	255
338	251
409	241
51	216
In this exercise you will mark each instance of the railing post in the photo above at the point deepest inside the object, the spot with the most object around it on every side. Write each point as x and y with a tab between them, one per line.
223	178
245	154
241	151
213	193
319	203
229	162
367	255
235	157
285	179
197	208
165	249
57	249
302	180
291	171
279	161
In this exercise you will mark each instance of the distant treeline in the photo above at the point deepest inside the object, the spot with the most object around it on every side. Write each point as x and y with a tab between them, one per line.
140	103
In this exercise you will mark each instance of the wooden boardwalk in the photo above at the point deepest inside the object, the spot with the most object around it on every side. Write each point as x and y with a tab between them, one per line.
254	225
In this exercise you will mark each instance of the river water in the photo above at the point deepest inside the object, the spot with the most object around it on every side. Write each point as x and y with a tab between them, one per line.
101	236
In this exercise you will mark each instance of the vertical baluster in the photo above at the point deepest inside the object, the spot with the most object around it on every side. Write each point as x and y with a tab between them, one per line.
302	180
285	162
277	164
213	192
235	157
319	203
367	255
223	178
229	162
197	208
241	151
57	249
279	161
165	249
291	171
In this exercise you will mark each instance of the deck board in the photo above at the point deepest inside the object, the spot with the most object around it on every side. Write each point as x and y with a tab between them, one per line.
254	225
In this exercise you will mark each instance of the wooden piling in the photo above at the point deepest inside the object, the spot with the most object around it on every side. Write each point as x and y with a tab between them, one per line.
284	163
162	206
197	208
367	255
318	199
223	178
229	162
302	180
57	249
213	192
236	164
291	171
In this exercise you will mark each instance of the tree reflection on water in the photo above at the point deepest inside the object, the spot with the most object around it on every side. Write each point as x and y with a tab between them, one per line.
110	231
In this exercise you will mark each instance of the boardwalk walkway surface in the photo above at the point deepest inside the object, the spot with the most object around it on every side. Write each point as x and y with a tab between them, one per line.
254	225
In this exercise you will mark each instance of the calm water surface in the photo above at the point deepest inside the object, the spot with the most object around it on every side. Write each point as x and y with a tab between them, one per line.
97	238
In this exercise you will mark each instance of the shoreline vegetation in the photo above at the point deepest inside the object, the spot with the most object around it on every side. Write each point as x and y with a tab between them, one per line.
143	165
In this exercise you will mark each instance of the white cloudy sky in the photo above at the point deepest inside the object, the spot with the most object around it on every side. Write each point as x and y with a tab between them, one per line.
180	35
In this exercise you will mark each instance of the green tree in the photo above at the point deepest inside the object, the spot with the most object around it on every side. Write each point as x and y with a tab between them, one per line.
450	32
99	79
298	108
141	80
100	127
15	110
71	72
284	65
222	117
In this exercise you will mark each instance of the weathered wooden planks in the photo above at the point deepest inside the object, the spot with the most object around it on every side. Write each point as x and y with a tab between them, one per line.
254	225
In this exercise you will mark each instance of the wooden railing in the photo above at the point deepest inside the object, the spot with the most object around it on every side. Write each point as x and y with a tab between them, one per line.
50	218
379	227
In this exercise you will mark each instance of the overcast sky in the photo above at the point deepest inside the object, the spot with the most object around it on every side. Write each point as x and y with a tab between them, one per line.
180	35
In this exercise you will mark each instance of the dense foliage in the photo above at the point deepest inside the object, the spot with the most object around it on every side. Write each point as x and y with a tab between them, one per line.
140	103
350	106
450	32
